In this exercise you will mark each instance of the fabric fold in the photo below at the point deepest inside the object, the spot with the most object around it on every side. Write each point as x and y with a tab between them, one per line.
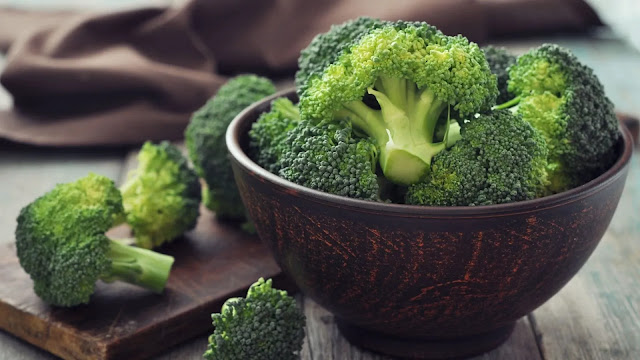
130	76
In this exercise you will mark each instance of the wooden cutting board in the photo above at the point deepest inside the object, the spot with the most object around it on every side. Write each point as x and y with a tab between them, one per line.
212	263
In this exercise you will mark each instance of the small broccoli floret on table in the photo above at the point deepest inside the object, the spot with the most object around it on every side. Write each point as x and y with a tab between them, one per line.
565	101
500	159
161	196
393	85
325	48
265	325
269	132
205	140
61	244
500	60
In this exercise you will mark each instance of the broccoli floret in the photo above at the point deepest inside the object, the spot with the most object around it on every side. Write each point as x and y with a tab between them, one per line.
500	60
500	159
269	132
414	73
266	325
161	196
325	48
61	243
205	140
328	157
564	100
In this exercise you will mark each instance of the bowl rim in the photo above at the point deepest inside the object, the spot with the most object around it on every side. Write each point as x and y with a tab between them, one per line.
233	136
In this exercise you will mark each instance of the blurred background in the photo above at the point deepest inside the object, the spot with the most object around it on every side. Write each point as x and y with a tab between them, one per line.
118	72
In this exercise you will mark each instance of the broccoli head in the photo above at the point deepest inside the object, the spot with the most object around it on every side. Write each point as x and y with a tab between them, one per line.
61	243
500	159
325	48
205	140
564	100
328	157
393	85
266	324
269	132
161	196
500	60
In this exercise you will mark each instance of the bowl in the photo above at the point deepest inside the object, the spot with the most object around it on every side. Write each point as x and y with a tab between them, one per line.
417	281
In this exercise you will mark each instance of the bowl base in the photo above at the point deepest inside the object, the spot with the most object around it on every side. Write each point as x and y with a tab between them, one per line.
432	348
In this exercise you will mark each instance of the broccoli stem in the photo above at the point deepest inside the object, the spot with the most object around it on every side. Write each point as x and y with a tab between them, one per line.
138	266
453	134
508	104
403	128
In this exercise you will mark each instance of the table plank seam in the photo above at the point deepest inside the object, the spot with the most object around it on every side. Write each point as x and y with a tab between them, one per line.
537	335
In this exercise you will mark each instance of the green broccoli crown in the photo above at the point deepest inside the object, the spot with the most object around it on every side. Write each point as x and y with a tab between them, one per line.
565	100
501	158
266	325
161	196
61	244
269	132
328	157
500	60
393	85
60	238
205	140
325	48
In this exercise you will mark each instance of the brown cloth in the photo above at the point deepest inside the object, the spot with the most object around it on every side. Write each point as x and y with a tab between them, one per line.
125	77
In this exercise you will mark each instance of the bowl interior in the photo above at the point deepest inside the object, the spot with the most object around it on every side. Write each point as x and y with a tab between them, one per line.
238	144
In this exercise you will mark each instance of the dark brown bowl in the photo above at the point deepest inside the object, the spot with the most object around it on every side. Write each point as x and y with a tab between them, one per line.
424	282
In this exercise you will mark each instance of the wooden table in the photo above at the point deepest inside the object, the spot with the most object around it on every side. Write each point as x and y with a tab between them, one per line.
596	316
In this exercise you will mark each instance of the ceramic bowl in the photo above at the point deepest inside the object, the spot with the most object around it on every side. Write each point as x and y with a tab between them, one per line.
424	282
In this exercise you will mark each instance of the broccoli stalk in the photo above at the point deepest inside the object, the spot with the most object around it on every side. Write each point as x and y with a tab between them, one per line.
405	126
61	243
508	104
137	266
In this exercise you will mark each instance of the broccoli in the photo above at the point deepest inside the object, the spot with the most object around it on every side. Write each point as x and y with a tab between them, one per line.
61	243
205	140
500	60
161	197
266	325
269	132
325	48
326	157
394	84
501	158
566	102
